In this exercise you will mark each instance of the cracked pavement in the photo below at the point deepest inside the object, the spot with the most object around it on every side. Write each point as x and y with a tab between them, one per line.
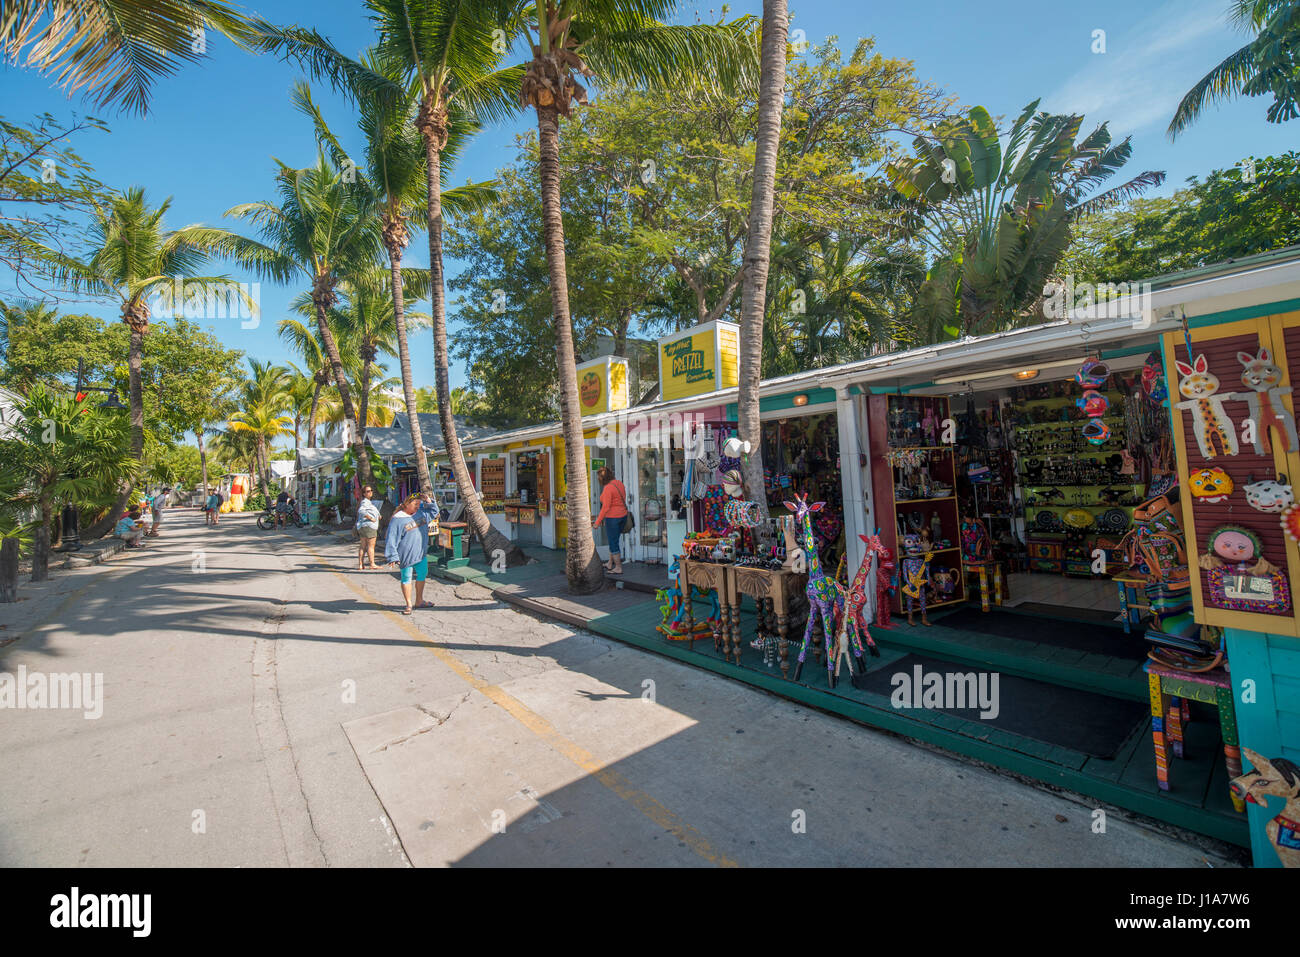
265	705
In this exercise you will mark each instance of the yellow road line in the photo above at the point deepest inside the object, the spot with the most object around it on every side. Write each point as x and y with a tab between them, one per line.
547	732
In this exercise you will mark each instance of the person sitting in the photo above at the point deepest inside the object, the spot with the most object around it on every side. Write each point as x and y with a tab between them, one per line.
282	507
130	528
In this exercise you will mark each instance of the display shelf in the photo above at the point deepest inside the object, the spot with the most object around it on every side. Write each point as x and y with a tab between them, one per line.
902	418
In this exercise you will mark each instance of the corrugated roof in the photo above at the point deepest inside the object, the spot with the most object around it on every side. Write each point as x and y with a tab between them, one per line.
318	457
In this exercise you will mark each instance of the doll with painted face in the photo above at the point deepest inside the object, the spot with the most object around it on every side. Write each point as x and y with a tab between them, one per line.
915	573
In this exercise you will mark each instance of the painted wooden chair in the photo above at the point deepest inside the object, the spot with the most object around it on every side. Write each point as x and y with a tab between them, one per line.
1171	690
977	559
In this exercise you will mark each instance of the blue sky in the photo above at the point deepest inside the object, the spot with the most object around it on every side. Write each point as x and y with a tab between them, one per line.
213	128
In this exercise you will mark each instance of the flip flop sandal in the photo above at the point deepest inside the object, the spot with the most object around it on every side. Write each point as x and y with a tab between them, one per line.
406	611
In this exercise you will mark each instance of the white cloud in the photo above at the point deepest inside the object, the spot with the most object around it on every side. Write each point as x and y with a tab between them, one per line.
1147	67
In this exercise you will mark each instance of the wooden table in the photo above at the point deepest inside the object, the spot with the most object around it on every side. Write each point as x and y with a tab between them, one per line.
706	576
1171	689
759	584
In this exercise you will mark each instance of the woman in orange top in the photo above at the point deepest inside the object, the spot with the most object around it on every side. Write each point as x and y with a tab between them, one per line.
613	512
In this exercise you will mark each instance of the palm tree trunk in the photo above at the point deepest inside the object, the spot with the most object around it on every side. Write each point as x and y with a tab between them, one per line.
263	464
359	452
203	460
41	546
491	540
758	242
582	565
8	570
404	358
311	418
363	411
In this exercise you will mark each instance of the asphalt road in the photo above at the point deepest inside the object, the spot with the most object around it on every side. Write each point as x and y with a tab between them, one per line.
265	705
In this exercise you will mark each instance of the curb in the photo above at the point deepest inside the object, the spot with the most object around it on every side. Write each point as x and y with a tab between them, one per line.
93	554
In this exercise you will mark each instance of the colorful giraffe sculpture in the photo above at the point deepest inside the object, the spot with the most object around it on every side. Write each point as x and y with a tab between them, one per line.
852	630
825	596
1276	778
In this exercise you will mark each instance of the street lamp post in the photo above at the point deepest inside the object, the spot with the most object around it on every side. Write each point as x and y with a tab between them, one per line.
71	522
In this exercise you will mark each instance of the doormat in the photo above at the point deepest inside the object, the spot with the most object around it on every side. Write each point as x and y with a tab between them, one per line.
1095	616
1094	724
1094	637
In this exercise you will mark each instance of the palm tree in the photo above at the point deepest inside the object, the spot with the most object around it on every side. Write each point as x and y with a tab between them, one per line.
450	50
367	321
60	451
221	407
322	227
426	399
758	241
305	342
262	403
1267	65
114	50
618	41
302	398
997	221
132	259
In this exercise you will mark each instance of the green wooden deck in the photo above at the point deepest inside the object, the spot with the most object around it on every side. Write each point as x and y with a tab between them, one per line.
1198	800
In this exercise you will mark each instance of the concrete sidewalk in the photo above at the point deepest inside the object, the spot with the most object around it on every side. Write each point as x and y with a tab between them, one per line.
266	704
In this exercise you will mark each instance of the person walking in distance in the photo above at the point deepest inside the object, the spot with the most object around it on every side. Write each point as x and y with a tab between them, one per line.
407	546
613	512
367	526
156	506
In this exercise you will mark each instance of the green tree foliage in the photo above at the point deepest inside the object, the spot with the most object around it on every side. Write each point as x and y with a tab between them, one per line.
656	193
44	185
1269	65
997	219
1223	216
62	452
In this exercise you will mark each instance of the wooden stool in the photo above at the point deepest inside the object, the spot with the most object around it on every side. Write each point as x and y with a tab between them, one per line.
1129	604
999	580
1171	689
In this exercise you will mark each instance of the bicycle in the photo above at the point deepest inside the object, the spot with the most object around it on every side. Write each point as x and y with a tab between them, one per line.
268	519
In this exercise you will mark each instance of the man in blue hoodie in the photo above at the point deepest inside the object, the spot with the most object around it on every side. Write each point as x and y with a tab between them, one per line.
407	545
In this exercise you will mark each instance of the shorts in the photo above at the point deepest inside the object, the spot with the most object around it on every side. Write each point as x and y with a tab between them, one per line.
419	571
368	532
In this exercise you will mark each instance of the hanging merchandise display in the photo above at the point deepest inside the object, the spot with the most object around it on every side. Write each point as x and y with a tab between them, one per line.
1210	485
1269	495
1240	578
1264	380
1153	379
1243	578
1096	432
1210	421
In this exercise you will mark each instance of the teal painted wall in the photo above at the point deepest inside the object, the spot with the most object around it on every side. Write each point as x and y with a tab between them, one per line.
1266	690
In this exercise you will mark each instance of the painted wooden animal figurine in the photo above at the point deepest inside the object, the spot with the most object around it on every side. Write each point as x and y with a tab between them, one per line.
825	594
1276	778
885	568
915	574
860	602
1199	386
1264	379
